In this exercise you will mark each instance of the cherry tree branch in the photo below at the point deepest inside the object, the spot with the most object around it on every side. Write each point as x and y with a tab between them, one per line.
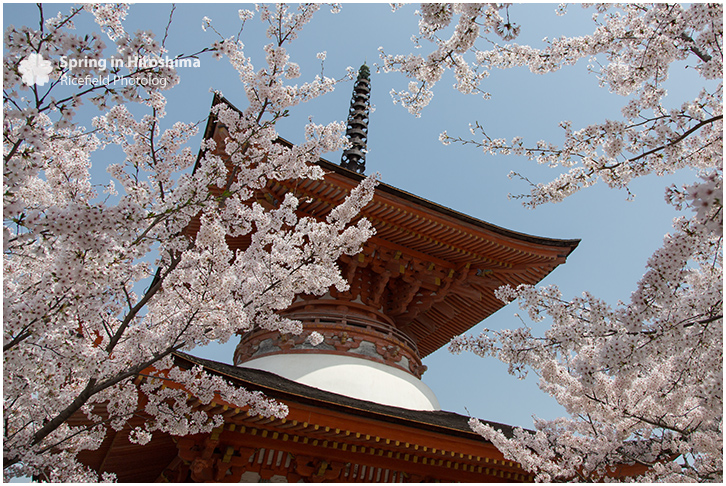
679	139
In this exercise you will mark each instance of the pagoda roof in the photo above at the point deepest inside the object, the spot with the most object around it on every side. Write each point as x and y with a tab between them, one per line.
319	423
287	391
379	443
451	262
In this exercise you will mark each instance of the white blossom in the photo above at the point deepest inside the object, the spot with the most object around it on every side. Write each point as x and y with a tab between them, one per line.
642	380
98	289
315	338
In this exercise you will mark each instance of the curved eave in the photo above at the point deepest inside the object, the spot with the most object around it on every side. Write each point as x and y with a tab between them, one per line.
287	391
446	240
570	244
355	178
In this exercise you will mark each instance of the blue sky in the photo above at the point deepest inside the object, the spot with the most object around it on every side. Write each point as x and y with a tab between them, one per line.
617	235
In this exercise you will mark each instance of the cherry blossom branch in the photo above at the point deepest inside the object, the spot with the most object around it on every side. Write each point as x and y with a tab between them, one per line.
93	387
679	139
131	315
642	382
694	49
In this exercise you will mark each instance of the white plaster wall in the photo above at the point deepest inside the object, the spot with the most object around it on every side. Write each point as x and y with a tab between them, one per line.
353	377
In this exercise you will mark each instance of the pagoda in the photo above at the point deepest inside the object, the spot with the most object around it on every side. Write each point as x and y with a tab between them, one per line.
358	410
428	274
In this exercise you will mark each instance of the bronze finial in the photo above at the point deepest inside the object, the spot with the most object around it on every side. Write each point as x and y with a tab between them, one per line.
354	158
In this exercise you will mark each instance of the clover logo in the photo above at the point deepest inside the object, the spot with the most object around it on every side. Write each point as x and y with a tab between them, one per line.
35	70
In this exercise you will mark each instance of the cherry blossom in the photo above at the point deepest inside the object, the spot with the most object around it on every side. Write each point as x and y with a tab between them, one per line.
642	380
102	281
315	338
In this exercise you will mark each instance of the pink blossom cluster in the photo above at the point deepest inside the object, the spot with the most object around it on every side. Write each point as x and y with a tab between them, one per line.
315	338
642	380
474	20
635	45
102	281
110	17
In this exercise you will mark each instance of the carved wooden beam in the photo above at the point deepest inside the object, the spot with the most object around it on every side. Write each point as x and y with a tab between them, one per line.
379	287
404	295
